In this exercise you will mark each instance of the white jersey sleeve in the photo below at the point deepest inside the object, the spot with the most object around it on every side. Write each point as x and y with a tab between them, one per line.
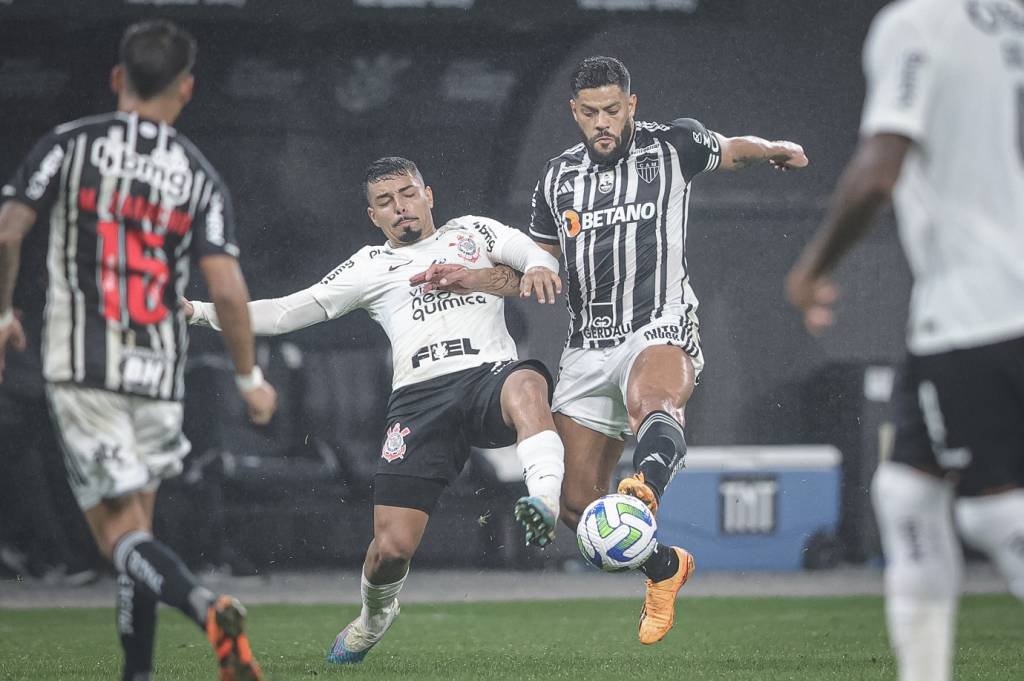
270	317
511	247
344	288
900	68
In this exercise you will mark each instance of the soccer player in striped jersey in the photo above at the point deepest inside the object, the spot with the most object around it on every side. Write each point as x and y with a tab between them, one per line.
614	207
127	200
942	134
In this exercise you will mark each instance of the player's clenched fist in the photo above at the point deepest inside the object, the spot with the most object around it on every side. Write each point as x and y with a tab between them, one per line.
785	155
541	282
262	403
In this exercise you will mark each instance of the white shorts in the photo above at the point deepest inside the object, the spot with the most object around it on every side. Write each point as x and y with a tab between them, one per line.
591	388
116	444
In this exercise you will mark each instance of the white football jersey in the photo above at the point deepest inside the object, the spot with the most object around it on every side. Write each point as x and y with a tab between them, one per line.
949	75
439	332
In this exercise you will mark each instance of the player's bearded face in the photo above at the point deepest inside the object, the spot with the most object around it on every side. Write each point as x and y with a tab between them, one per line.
401	208
605	117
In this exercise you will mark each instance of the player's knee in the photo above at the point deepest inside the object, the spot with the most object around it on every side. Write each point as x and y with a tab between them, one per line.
913	509
527	397
392	552
670	402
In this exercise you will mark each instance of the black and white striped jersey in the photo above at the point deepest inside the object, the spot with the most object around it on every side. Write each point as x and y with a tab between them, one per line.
622	229
127	201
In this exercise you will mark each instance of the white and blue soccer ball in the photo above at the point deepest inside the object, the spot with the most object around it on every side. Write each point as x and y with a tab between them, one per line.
616	533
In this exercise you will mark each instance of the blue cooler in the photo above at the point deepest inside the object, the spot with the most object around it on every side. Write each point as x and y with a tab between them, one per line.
752	508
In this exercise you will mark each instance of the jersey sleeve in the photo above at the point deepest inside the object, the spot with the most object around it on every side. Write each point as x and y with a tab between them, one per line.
511	247
36	180
344	288
698	147
214	222
543	227
900	71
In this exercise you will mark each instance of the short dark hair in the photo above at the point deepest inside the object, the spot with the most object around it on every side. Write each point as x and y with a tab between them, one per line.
387	168
154	53
597	72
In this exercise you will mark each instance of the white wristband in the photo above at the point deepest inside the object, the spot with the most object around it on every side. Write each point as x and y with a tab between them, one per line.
251	382
6	318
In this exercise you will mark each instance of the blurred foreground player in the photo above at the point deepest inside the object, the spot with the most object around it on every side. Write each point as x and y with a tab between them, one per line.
127	200
457	380
614	208
943	134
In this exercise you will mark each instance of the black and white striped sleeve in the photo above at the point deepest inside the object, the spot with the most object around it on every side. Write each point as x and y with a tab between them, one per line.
36	180
699	150
542	220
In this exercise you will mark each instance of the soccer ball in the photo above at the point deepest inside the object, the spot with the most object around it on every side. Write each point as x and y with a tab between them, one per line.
616	533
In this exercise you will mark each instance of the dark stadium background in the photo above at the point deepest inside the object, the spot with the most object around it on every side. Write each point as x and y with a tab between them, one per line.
294	99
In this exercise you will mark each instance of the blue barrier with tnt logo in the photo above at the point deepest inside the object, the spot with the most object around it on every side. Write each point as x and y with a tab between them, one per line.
753	508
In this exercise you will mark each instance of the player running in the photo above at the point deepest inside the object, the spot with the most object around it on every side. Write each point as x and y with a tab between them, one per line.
942	132
128	199
614	208
457	380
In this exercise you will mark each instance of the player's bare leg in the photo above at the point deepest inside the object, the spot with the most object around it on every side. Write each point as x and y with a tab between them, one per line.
397	533
122	529
590	459
525	407
660	383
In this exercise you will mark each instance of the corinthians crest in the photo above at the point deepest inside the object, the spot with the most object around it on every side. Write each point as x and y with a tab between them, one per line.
394	445
467	248
648	169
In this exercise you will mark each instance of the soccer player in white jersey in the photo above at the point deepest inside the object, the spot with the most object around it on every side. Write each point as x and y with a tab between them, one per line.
942	133
127	200
615	207
457	380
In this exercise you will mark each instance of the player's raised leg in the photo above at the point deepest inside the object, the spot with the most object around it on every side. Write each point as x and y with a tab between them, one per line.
590	459
526	408
121	528
397	532
660	383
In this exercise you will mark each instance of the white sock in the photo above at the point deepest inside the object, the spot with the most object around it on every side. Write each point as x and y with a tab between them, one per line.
995	524
543	459
924	564
378	601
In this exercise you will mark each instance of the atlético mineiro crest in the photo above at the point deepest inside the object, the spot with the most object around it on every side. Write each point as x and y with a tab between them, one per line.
466	247
647	169
394	445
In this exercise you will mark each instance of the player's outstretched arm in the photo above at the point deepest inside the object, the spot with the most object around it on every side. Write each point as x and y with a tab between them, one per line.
16	219
866	186
741	152
271	317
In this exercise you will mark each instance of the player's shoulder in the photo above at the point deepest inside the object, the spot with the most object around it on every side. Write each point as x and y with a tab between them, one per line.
363	262
910	18
570	156
84	124
483	229
679	132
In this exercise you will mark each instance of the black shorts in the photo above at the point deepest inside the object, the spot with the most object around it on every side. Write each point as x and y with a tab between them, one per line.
961	414
431	426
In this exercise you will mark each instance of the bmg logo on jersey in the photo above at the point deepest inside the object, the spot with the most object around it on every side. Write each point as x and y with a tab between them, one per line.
166	170
574	222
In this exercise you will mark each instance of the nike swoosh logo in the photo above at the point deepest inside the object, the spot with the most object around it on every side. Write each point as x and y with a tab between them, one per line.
395	267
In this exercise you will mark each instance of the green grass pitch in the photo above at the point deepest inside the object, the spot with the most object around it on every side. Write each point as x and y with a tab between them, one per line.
738	639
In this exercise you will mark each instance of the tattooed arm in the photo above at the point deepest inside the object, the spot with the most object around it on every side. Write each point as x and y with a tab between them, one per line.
500	280
741	152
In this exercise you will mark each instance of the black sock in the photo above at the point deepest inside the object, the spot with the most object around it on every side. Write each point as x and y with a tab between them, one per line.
662	564
136	624
157	569
660	450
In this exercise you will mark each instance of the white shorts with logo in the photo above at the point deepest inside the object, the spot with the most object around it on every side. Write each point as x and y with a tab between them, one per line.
591	388
116	444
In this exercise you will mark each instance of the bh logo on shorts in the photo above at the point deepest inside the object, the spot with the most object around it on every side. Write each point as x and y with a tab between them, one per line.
466	248
394	445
